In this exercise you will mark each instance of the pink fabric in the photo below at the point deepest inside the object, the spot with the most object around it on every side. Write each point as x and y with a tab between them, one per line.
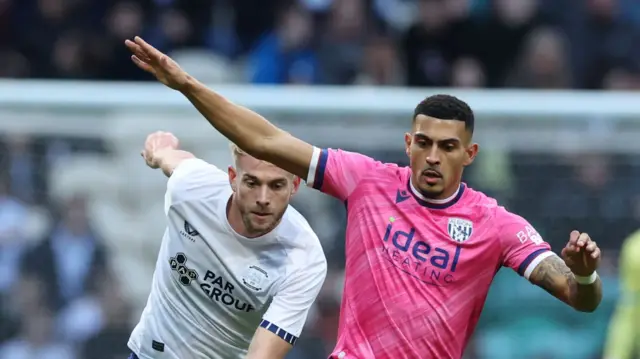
417	272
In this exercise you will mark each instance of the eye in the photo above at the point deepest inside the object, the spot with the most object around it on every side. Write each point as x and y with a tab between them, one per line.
250	184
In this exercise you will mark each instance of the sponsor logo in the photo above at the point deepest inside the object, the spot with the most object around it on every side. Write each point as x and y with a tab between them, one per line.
178	264
416	257
221	290
189	232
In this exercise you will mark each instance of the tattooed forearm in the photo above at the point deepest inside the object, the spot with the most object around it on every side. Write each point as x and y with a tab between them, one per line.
553	275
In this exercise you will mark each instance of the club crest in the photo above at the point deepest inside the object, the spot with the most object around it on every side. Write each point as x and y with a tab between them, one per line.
255	278
459	229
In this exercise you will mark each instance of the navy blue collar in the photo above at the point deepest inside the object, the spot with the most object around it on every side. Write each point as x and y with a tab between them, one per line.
435	204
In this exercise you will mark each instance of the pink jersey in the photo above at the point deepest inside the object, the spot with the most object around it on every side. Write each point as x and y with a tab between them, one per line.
417	270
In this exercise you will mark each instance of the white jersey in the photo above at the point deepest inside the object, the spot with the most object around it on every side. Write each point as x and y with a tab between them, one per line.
212	287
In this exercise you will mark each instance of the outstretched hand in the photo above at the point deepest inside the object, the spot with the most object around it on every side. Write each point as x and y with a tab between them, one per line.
155	143
581	254
157	63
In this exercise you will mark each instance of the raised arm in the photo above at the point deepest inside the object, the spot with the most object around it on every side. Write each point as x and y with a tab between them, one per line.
572	278
250	131
161	151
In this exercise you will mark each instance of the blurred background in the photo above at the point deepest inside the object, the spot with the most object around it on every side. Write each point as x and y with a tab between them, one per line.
81	216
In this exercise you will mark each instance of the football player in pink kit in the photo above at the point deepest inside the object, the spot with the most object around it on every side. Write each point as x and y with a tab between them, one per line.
422	247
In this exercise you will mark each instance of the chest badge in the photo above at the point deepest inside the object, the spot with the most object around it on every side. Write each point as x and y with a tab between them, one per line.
255	278
459	230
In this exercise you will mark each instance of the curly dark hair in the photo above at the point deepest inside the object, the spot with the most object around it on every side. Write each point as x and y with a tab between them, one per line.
446	107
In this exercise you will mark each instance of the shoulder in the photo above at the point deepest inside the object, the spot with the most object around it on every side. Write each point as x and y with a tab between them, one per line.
195	179
296	232
481	204
300	240
489	210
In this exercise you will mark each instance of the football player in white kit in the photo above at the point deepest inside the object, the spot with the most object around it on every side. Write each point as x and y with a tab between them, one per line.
238	268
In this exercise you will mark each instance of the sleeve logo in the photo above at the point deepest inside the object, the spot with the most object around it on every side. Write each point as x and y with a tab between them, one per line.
459	230
528	233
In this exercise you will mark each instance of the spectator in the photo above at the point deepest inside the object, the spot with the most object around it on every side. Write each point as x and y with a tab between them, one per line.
36	340
285	55
381	65
111	340
544	62
468	72
428	46
600	38
342	42
70	260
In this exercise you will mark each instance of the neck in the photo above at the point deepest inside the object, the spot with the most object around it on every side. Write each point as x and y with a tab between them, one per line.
444	197
235	218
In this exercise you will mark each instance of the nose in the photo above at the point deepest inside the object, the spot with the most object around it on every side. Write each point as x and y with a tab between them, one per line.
433	157
263	199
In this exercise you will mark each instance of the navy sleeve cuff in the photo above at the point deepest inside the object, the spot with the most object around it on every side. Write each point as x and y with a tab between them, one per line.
286	336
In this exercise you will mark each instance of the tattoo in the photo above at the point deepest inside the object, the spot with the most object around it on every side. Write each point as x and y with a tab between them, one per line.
553	275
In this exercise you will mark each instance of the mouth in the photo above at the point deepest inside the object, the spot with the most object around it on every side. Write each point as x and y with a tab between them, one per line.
431	177
261	215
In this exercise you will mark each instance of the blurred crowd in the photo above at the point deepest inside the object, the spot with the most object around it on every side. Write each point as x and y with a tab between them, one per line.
59	298
466	43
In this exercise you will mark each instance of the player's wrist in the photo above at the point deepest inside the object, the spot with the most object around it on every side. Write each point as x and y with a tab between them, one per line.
190	85
586	280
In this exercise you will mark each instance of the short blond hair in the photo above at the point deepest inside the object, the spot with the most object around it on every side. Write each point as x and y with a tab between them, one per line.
236	152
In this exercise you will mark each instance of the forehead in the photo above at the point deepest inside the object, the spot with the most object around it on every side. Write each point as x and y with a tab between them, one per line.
262	170
437	128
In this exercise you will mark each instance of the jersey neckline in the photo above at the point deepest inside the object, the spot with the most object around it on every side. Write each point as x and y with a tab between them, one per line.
435	203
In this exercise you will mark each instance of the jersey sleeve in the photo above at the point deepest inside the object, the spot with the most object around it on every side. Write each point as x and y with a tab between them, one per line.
192	179
623	336
338	172
291	304
522	246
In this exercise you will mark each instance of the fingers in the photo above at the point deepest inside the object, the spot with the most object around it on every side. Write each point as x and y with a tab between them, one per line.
151	51
573	237
577	241
137	50
142	64
591	248
583	240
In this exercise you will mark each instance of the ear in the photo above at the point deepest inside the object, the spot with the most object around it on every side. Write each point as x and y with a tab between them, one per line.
296	185
407	144
232	178
471	153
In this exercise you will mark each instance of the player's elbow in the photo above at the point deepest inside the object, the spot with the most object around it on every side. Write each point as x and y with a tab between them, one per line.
588	307
587	302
